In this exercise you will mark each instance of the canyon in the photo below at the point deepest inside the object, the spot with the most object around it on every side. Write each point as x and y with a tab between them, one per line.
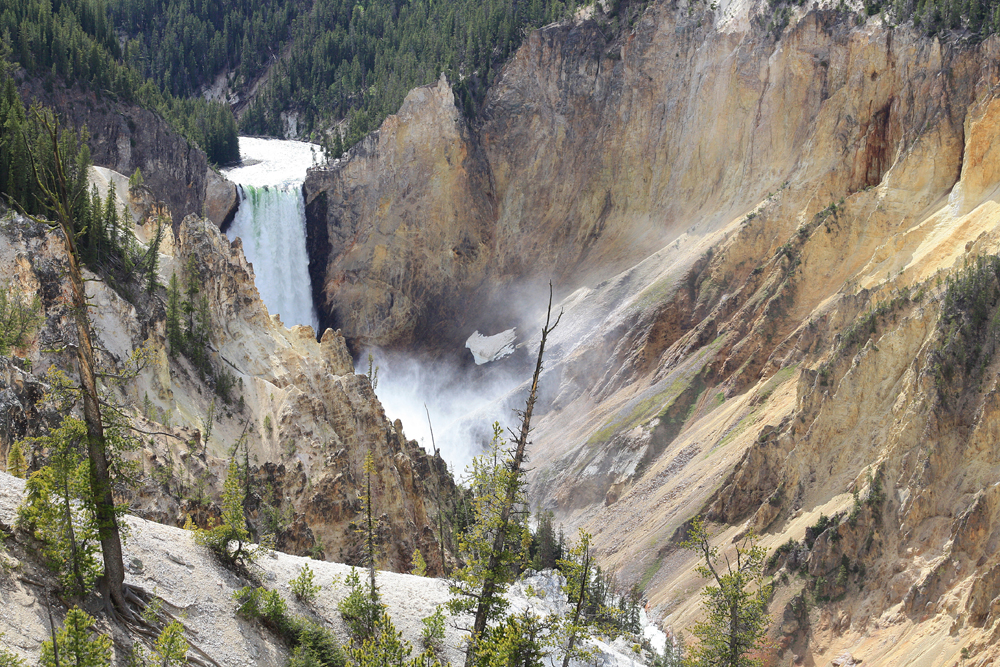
753	229
771	231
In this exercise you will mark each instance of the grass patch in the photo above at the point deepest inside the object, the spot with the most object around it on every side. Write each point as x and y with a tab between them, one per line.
657	292
776	380
650	572
643	410
735	431
659	403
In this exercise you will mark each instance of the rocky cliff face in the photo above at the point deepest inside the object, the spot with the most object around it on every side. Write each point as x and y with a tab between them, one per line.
125	137
307	420
755	230
590	155
406	226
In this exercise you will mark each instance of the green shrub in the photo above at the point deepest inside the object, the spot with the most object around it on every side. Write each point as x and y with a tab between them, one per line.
317	645
419	564
785	548
817	529
361	609
432	634
170	649
261	604
233	529
311	644
20	316
8	659
303	586
58	509
76	643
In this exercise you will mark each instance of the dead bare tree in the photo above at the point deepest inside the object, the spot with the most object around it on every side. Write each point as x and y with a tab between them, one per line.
492	579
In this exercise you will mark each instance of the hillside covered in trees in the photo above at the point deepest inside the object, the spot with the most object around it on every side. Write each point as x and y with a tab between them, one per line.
333	59
75	42
324	62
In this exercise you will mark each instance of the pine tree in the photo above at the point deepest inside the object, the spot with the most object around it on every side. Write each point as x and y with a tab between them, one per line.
61	179
368	527
97	238
303	586
360	609
19	318
546	548
16	465
363	609
521	640
486	571
59	509
735	603
111	222
10	659
419	564
76	645
673	653
192	280
578	568
490	546
171	648
175	335
153	257
385	647
233	527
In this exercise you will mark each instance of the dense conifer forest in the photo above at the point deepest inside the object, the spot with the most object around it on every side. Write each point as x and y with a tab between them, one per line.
334	59
75	41
344	63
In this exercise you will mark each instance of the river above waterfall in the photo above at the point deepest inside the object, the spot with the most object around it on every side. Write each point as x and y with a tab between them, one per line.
273	162
271	222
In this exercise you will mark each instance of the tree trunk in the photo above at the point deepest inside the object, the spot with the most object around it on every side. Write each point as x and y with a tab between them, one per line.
100	479
56	190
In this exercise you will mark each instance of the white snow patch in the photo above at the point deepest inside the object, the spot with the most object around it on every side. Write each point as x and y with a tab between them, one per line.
490	348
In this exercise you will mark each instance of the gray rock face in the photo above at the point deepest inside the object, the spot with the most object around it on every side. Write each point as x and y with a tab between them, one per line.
126	137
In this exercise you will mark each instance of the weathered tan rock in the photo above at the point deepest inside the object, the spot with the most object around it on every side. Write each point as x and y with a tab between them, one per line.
732	206
590	156
221	198
309	415
405	225
309	420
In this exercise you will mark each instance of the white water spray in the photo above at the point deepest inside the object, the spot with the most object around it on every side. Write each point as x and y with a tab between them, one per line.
271	221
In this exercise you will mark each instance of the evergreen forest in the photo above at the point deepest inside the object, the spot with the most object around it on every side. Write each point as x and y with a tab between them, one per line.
75	41
342	63
335	60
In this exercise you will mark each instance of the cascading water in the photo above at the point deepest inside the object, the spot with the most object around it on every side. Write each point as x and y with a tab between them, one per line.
271	221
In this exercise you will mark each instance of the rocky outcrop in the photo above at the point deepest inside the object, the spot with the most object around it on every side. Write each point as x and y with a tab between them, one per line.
125	137
591	155
305	414
399	234
301	417
757	226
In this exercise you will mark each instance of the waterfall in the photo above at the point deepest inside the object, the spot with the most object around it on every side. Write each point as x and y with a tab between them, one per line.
271	221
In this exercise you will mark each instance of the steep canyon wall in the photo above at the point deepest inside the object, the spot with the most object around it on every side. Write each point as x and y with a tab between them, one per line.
757	236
